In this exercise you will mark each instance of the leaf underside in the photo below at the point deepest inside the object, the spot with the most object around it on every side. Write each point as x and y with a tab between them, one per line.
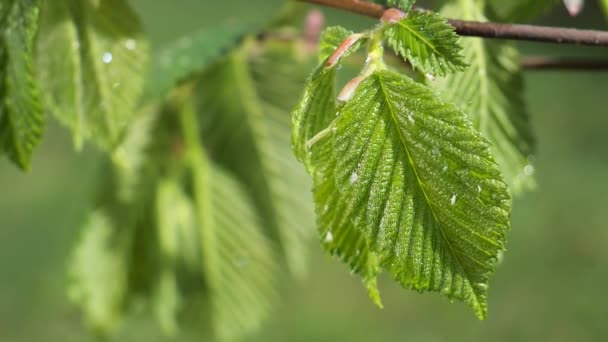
428	42
491	92
92	61
21	118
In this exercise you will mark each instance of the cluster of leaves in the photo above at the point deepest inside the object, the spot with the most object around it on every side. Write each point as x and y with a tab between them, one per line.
403	180
204	207
205	199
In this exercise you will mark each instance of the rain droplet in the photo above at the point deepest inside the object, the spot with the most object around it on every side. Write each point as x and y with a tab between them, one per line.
353	178
107	57
453	200
116	85
479	188
529	170
329	237
131	44
410	118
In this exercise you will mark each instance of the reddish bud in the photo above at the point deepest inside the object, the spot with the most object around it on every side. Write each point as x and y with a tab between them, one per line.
392	15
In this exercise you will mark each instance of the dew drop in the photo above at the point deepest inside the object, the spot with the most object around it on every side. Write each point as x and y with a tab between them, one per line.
529	170
353	178
116	85
479	188
131	44
453	200
107	57
329	237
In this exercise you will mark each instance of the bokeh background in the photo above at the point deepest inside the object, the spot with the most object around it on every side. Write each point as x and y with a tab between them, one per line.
551	286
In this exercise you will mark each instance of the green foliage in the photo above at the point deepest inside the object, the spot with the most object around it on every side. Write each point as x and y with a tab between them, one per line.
191	53
92	59
428	42
605	5
21	118
204	206
521	10
241	98
209	205
491	92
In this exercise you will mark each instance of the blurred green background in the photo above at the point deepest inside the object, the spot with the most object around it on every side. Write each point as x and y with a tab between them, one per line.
551	286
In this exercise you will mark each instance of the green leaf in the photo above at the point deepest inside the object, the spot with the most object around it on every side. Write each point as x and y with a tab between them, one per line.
99	271
245	103
238	259
314	113
418	181
338	235
92	60
192	53
428	42
605	3
491	92
21	119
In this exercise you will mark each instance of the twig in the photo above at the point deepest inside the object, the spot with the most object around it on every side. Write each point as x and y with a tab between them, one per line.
486	29
564	64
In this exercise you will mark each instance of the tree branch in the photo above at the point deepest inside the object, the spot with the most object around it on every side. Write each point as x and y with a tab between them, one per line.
486	29
564	64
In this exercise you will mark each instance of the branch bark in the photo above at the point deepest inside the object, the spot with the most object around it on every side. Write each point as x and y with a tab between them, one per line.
564	64
486	29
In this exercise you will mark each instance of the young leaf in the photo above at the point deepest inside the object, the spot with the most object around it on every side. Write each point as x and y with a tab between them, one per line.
605	3
21	119
191	54
428	42
92	60
491	92
419	182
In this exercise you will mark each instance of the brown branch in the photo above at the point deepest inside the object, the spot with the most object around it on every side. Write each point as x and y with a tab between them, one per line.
564	64
486	29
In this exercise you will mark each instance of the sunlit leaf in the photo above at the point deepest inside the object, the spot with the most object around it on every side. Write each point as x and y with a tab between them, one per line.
418	181
428	42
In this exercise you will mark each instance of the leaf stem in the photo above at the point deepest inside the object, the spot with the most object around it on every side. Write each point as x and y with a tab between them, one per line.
486	29
319	136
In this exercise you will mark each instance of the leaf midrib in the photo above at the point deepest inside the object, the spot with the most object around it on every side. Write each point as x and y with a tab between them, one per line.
420	183
422	38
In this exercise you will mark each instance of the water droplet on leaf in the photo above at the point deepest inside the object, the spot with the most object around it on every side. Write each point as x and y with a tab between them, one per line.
107	57
353	178
329	237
